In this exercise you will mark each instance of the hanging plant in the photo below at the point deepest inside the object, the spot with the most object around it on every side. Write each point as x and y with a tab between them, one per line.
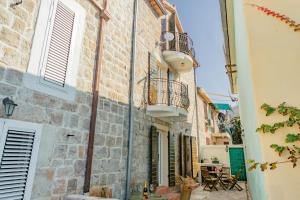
283	18
293	119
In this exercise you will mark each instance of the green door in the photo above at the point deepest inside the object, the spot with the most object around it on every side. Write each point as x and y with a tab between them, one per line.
237	162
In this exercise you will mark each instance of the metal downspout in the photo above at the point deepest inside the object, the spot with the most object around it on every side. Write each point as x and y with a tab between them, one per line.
104	17
197	124
131	101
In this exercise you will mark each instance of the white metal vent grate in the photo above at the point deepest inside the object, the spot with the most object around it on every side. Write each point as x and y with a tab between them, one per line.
15	164
59	48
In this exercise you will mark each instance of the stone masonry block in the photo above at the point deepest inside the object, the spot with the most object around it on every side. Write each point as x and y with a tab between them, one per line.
79	167
10	56
99	140
9	37
72	185
7	90
60	151
13	76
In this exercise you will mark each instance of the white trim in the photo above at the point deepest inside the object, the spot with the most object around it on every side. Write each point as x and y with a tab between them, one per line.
161	127
163	172
7	124
32	78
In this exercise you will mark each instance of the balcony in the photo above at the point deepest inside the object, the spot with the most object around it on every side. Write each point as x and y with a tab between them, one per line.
167	98
178	51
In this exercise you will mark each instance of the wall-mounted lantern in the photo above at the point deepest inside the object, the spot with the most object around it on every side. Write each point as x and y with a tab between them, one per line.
226	148
9	106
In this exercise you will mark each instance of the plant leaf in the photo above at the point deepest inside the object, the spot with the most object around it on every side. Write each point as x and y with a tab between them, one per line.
269	109
273	165
253	167
264	166
250	161
274	146
292	138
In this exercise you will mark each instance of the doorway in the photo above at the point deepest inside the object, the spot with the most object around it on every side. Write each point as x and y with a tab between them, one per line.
163	174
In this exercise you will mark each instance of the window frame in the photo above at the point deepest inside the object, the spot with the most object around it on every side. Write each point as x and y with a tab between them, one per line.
34	79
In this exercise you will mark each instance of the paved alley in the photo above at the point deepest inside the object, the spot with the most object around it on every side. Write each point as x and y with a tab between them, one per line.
199	194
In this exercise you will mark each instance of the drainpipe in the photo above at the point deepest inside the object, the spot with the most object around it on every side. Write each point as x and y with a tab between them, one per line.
104	17
197	124
131	102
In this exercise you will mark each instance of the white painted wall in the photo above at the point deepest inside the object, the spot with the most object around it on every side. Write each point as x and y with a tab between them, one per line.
219	151
247	105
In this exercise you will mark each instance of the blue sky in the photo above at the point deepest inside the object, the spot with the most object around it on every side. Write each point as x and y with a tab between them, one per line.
202	20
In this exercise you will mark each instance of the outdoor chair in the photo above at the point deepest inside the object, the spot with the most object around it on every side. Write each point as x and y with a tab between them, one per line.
209	181
225	177
233	181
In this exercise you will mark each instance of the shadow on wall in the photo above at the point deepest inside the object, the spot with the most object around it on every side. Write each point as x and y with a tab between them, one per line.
62	153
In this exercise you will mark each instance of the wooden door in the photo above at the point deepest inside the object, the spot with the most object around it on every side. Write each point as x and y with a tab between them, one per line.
237	162
188	156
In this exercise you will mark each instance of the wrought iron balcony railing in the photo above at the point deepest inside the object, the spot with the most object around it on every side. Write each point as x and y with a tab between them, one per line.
168	92
181	42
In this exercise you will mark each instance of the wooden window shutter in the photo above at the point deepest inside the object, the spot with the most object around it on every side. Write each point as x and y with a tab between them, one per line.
181	159
195	167
57	58
18	152
171	156
154	156
187	156
172	22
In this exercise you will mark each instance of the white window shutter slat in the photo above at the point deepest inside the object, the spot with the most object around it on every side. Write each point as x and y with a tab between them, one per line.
59	47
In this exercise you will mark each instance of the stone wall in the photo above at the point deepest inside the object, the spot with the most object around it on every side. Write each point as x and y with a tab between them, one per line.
61	161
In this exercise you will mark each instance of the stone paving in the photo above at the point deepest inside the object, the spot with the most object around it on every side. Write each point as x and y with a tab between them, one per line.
199	194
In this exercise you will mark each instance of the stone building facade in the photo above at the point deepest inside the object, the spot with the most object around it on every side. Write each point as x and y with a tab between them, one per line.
61	159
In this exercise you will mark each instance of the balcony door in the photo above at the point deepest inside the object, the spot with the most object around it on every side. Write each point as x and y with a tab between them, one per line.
158	87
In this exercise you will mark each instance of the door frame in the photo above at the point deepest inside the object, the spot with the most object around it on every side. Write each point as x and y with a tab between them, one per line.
163	163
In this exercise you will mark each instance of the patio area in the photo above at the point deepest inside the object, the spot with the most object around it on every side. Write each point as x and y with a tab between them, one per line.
200	194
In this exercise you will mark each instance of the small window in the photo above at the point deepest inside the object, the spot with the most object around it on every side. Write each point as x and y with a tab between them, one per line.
56	48
19	143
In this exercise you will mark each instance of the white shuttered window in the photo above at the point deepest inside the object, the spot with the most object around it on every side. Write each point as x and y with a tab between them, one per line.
56	48
19	143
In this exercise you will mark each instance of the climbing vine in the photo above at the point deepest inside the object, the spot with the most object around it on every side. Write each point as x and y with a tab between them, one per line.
292	115
283	18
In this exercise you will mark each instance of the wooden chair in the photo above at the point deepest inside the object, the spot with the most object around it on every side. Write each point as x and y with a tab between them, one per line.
209	181
233	182
225	177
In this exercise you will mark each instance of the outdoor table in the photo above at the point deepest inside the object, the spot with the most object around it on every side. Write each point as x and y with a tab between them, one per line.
211	164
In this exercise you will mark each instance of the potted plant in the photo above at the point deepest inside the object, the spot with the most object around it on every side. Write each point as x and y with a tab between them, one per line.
215	160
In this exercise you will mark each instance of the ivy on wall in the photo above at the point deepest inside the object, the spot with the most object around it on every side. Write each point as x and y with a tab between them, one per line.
283	18
289	148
